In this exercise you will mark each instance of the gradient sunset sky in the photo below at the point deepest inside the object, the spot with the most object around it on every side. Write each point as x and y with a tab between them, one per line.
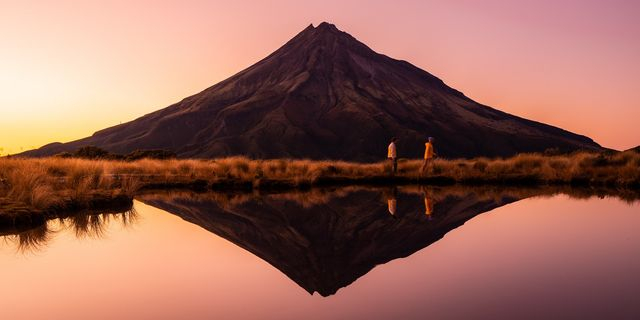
70	68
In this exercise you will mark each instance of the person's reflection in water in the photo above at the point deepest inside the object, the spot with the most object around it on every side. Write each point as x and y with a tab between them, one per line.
392	202
428	203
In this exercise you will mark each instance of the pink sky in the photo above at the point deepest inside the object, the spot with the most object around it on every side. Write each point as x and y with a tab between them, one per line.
69	68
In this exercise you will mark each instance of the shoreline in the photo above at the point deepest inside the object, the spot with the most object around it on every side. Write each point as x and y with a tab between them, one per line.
33	189
15	217
22	218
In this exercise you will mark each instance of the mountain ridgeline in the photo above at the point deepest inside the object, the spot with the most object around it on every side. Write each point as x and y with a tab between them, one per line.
325	95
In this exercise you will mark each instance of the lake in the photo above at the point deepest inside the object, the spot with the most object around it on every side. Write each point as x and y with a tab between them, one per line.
407	252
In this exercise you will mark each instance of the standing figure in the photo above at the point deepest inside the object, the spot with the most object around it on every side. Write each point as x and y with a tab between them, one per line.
393	156
429	154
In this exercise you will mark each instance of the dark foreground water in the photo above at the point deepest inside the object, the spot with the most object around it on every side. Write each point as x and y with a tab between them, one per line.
348	253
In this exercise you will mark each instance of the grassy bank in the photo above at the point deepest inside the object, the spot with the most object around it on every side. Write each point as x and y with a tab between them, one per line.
59	183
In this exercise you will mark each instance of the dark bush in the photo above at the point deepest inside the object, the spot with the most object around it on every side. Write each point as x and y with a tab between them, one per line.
94	153
64	155
91	152
150	154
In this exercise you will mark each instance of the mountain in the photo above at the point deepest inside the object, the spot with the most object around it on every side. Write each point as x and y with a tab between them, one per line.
324	243
325	95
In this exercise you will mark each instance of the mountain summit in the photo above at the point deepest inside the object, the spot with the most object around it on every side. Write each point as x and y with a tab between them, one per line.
326	95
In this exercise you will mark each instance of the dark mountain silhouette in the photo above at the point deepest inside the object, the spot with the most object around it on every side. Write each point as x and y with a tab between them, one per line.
325	95
325	243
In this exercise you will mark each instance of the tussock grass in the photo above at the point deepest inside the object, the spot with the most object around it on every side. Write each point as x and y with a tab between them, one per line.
50	182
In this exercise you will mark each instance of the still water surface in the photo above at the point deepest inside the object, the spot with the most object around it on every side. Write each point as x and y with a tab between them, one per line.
349	253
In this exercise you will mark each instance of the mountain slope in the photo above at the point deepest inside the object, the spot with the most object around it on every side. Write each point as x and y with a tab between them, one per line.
325	95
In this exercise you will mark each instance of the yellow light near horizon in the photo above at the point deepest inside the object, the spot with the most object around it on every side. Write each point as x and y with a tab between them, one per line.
68	68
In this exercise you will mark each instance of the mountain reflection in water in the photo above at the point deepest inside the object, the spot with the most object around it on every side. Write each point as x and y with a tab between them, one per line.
324	239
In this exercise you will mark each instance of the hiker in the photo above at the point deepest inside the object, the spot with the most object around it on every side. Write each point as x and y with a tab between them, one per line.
429	154
393	156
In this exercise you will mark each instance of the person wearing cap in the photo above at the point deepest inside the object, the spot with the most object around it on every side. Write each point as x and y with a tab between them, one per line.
393	156
429	154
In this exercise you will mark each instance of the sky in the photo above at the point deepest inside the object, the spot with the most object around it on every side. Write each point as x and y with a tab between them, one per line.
70	68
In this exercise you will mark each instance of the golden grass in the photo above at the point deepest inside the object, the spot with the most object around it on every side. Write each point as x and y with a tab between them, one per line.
45	183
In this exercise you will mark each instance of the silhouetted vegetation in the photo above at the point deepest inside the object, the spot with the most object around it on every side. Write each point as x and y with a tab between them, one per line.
95	153
150	154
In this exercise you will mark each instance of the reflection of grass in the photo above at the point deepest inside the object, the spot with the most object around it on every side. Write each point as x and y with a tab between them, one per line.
32	240
89	225
86	225
323	195
54	182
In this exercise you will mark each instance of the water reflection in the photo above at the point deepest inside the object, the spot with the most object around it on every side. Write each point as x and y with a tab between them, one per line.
86	224
534	259
392	201
428	203
324	239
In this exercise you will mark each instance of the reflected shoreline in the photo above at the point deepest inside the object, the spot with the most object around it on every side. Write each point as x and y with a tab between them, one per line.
324	239
319	195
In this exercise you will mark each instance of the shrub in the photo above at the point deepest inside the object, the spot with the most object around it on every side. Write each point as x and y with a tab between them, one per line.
64	155
91	152
150	154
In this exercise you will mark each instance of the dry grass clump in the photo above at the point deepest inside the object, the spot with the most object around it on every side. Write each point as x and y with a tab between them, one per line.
45	183
28	183
48	183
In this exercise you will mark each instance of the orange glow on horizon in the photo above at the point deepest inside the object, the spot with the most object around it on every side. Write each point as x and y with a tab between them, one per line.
69	69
